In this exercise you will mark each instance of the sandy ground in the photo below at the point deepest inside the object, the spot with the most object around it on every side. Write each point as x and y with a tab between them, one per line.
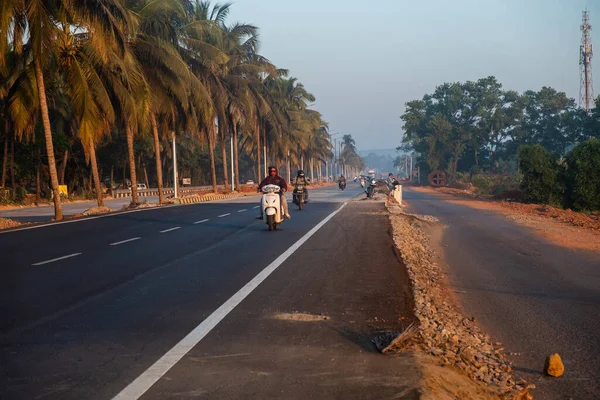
563	227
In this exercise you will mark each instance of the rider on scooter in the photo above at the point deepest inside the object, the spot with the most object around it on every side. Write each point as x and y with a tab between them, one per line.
300	179
274	179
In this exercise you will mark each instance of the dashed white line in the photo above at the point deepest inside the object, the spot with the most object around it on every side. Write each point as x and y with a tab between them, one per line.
148	378
223	215
57	259
169	230
201	222
245	209
125	241
255	206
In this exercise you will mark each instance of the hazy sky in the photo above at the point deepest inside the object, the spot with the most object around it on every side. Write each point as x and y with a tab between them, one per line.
364	59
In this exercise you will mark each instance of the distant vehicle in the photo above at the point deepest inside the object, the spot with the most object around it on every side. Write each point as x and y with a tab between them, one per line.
141	186
249	182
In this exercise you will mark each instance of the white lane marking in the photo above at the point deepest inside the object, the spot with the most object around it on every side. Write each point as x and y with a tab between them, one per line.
223	215
125	241
148	378
201	222
169	230
57	259
255	206
245	209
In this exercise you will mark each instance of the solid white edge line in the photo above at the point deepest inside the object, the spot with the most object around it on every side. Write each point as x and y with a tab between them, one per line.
245	209
57	259
224	215
170	229
125	241
201	222
148	378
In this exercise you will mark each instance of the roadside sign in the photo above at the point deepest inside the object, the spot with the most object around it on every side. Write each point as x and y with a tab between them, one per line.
187	181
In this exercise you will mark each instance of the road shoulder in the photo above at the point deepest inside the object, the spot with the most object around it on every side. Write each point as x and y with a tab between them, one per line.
307	331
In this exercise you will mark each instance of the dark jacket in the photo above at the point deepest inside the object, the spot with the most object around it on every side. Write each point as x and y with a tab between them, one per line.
300	180
273	180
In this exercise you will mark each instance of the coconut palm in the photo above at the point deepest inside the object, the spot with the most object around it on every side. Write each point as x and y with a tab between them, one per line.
39	19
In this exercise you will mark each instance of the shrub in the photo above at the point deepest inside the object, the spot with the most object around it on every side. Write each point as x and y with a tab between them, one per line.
540	183
583	176
20	194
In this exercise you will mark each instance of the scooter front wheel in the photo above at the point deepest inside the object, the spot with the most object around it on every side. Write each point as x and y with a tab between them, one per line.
271	222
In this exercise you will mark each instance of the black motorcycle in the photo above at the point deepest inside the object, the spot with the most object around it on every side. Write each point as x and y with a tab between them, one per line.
375	186
342	185
300	196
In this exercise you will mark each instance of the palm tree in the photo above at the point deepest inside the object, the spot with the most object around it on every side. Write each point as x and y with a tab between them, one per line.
156	49
39	19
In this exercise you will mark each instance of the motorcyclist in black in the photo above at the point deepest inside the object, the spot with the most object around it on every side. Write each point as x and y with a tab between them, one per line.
300	180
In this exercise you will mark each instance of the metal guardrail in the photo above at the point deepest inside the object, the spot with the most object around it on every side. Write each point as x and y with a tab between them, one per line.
122	193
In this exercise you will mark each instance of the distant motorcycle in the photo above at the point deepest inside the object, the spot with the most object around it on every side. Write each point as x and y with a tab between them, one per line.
375	186
299	196
371	188
342	185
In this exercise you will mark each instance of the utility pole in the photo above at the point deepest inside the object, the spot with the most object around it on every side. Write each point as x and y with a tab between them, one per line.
175	189
586	86
232	169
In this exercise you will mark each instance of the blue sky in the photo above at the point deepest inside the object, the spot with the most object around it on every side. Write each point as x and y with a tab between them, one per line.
364	60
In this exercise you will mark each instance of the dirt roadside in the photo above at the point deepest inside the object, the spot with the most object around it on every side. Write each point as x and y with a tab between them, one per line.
458	360
565	228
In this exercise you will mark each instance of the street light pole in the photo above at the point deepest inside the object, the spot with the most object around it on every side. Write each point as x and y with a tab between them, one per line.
232	169
175	189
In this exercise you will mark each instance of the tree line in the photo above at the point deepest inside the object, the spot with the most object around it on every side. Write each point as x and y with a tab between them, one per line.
479	126
99	88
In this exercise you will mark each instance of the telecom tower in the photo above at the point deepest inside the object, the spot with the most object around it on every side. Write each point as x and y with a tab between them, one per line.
586	88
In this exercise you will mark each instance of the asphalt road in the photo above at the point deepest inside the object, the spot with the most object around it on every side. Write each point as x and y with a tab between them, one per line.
87	307
535	297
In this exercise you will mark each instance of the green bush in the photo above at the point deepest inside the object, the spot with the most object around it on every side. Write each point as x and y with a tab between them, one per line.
583	176
541	172
20	194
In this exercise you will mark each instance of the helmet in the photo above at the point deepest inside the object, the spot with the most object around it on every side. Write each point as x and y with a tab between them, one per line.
300	172
271	169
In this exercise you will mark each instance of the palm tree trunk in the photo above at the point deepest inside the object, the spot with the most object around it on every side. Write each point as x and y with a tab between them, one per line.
63	167
13	182
48	136
96	175
38	184
146	176
159	178
5	156
258	150
224	156
236	169
133	178
213	170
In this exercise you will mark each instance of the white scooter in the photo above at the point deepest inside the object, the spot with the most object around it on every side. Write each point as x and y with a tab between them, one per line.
271	206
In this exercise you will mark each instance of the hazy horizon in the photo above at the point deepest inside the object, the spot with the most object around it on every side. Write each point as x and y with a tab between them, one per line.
364	63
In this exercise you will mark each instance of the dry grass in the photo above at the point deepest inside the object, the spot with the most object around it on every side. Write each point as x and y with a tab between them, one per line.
6	223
